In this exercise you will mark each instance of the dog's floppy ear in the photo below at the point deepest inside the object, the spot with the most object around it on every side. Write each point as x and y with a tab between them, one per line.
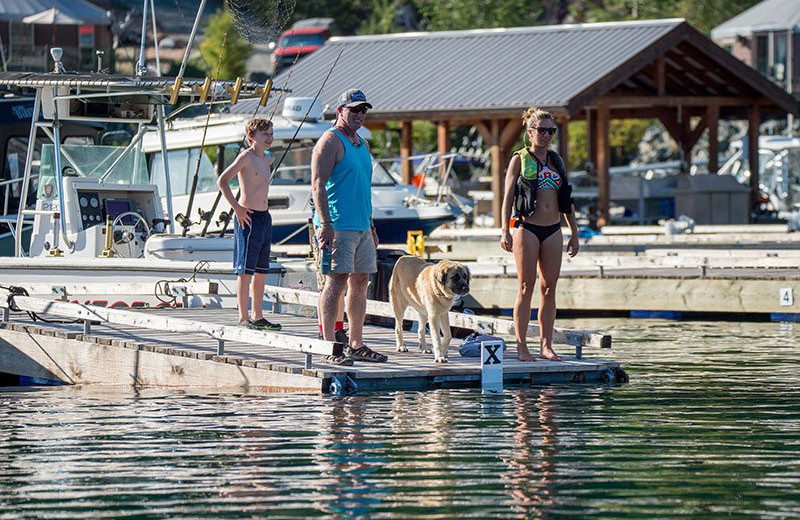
443	276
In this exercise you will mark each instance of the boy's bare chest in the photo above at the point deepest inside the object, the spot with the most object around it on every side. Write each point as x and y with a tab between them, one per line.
258	170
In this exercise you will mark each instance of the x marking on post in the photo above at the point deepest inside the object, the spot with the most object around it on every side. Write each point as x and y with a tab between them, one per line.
491	350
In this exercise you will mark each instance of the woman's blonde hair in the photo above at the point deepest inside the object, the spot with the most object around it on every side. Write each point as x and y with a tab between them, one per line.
533	115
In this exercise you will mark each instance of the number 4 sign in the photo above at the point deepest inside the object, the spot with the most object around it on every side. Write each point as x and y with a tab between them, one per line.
786	297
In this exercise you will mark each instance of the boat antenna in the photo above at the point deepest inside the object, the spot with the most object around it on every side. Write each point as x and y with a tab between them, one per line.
179	78
155	38
141	66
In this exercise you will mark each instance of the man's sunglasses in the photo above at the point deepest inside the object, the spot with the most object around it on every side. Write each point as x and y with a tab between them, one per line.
359	110
545	130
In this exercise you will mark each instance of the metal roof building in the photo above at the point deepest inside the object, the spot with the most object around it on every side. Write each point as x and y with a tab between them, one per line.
769	15
593	72
86	12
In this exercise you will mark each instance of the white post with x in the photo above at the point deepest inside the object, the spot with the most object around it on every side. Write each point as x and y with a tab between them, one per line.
492	366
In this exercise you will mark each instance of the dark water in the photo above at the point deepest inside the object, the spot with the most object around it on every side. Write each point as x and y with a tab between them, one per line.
708	427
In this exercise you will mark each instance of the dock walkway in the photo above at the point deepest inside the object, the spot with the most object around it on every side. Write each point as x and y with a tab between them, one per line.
139	354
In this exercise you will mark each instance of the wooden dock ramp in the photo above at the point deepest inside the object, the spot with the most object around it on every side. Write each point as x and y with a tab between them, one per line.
203	347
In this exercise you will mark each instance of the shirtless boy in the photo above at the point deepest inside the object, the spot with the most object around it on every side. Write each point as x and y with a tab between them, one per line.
252	227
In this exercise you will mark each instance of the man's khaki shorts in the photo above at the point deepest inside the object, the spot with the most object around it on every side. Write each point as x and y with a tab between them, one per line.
353	252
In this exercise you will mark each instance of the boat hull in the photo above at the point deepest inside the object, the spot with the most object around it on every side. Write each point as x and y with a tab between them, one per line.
390	231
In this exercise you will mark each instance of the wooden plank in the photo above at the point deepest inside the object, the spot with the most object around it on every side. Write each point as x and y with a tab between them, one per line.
677	101
466	321
621	293
505	264
81	362
166	323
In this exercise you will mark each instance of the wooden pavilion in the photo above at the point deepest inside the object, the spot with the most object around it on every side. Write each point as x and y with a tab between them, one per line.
661	69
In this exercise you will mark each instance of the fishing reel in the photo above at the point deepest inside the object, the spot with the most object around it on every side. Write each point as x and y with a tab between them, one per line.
224	218
184	221
205	216
159	225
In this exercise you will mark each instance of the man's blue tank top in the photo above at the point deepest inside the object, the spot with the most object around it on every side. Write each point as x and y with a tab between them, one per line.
349	188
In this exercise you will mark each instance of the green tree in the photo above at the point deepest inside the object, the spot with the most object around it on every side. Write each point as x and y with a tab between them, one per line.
702	14
382	19
449	15
234	54
348	15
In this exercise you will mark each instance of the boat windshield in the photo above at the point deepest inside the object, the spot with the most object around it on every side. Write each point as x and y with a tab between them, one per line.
295	168
91	161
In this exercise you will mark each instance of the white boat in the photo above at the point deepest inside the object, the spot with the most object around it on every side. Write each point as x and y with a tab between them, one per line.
779	171
108	213
95	206
397	208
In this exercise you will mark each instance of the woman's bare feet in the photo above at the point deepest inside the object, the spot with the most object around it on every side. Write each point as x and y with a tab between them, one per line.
548	353
523	354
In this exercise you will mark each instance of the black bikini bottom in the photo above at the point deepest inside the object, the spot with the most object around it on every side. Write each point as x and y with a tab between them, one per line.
541	232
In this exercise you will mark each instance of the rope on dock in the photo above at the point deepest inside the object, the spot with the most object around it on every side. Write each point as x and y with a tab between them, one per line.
14	291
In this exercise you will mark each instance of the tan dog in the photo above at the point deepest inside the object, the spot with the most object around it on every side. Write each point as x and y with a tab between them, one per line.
431	290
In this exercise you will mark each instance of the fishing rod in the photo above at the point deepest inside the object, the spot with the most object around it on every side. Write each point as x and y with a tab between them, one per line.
297	131
184	220
225	216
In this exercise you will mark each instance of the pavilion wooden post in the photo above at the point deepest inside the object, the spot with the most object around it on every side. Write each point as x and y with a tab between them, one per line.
660	76
752	152
500	135
497	172
683	143
712	116
442	145
406	151
563	138
601	162
591	133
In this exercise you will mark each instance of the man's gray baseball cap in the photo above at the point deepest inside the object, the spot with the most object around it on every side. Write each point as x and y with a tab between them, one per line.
352	98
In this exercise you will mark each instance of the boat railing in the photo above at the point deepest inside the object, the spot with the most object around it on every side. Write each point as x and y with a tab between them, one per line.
431	177
7	186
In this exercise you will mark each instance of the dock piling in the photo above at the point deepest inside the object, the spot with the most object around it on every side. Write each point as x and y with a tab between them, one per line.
220	346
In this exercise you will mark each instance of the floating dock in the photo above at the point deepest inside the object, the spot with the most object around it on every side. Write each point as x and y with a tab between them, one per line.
743	282
200	347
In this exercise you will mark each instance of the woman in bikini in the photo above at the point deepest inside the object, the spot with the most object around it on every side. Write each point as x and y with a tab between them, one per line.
538	191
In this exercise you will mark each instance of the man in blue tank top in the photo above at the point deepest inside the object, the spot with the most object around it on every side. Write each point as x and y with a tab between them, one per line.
341	184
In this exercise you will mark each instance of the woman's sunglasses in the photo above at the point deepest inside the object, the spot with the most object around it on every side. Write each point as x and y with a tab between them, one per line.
359	110
545	130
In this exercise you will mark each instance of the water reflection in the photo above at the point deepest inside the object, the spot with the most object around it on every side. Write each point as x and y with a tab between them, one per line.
531	467
709	427
346	459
